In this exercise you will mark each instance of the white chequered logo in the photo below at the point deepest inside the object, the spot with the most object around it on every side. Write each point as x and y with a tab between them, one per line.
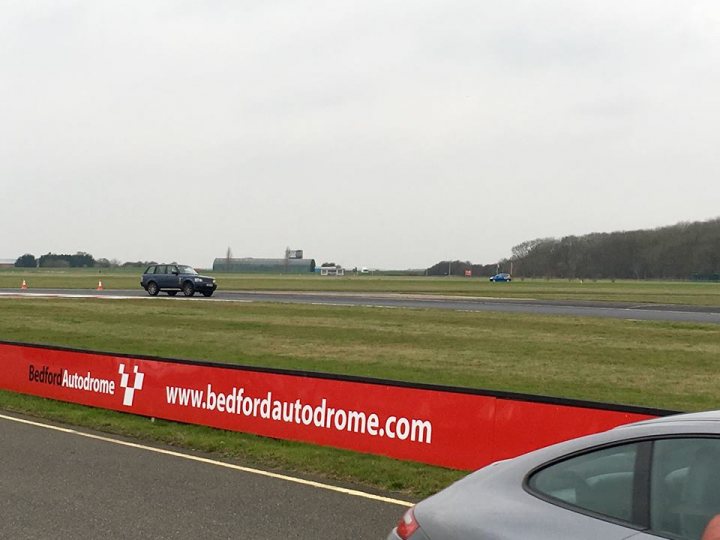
130	389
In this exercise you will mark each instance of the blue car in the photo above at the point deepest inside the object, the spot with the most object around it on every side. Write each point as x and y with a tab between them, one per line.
501	277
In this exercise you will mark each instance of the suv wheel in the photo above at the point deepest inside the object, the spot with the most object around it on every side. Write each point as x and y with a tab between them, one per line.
152	288
188	289
207	293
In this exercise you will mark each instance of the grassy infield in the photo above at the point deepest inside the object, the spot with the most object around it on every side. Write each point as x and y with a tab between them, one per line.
666	365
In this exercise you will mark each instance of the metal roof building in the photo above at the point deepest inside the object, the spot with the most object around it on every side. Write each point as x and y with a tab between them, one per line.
264	266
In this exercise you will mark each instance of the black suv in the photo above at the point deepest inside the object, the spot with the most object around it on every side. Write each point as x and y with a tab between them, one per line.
172	278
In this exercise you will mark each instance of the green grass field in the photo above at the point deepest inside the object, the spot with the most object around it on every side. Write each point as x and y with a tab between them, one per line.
658	292
665	365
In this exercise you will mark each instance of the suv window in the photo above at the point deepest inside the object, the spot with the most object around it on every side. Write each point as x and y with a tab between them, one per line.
685	487
601	481
161	269
150	270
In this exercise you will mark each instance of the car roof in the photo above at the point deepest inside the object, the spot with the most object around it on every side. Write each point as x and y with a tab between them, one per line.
707	422
705	416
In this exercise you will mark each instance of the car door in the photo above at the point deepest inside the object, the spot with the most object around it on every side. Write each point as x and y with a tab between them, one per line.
148	275
173	276
161	276
684	489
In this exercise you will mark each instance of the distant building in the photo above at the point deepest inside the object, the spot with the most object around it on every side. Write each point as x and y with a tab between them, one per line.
7	263
250	265
332	271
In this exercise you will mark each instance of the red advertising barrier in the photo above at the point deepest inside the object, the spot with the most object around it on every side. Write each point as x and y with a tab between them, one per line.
452	427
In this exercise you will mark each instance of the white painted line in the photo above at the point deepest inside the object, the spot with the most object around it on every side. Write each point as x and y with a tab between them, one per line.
338	304
239	301
109	297
318	485
69	295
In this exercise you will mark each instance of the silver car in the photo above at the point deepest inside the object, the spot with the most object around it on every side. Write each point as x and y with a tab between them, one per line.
653	479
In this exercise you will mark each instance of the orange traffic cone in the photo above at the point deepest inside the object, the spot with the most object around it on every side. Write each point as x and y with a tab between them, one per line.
100	286
24	285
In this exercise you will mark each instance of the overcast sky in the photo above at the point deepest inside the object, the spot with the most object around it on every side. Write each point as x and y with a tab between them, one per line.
380	134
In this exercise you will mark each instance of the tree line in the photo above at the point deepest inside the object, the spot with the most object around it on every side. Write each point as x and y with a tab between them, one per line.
77	260
682	251
459	268
688	250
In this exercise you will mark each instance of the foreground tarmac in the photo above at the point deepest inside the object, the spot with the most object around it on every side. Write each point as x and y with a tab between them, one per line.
66	484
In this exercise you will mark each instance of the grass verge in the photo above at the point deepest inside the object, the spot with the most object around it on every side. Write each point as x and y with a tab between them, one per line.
655	364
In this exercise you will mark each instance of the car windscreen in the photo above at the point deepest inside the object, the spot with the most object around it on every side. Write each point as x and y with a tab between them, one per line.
186	270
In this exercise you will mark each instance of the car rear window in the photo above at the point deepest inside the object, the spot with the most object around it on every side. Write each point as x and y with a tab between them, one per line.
600	481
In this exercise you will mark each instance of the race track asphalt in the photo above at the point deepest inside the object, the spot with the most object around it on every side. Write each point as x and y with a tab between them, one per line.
61	485
616	310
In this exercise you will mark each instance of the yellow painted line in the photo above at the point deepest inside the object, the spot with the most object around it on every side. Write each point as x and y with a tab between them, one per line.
259	472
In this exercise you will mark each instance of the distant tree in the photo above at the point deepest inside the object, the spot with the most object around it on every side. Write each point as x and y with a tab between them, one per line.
53	261
79	260
522	250
458	268
138	264
26	261
49	260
